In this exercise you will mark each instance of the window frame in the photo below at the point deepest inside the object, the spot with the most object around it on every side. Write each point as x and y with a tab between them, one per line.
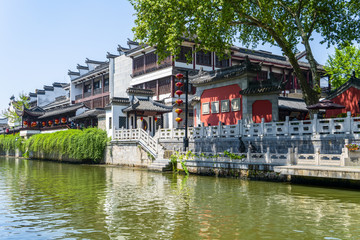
213	107
208	108
232	107
228	105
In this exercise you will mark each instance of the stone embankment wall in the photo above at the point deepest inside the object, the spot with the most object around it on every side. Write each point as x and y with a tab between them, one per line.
127	154
11	153
55	156
305	144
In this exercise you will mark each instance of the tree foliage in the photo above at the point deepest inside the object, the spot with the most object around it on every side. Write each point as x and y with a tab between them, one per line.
342	64
17	105
86	145
214	25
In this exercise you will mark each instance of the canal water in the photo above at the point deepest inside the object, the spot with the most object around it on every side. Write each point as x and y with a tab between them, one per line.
47	200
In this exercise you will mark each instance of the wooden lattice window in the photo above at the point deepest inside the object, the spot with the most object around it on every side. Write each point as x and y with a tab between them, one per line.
185	52
203	58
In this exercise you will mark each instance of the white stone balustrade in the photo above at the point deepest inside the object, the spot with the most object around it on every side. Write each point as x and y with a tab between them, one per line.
328	126
138	135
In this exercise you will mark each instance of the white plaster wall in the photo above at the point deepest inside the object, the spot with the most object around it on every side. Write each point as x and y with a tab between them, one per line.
111	77
122	78
83	71
92	66
117	112
44	99
108	115
49	96
59	91
152	76
74	91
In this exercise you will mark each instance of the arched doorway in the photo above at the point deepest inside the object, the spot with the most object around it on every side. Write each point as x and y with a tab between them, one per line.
262	109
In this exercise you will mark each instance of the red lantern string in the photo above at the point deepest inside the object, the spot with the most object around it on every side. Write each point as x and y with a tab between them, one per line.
179	76
178	119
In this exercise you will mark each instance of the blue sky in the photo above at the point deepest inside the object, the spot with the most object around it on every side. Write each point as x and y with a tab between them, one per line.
41	39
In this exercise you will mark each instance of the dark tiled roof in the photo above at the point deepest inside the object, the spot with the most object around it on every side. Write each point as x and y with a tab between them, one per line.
61	101
82	67
353	82
140	91
136	49
34	112
97	69
39	91
263	56
110	55
260	90
58	84
32	94
292	104
148	105
95	62
73	73
224	73
120	100
62	110
48	88
122	49
93	113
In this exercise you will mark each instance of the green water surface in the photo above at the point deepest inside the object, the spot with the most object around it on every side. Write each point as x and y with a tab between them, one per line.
47	200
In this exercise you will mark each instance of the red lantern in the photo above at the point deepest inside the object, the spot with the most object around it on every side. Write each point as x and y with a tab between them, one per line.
179	92
142	118
179	102
33	124
43	124
179	76
57	121
50	123
7	130
25	123
155	118
63	120
179	84
178	119
178	111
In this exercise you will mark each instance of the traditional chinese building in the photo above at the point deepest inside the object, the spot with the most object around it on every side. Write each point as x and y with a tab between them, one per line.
347	95
90	84
234	93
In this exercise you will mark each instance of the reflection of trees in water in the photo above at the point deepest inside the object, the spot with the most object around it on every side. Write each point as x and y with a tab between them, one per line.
64	198
152	205
106	202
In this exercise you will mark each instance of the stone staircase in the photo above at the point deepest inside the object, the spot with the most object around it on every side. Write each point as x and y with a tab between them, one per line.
160	165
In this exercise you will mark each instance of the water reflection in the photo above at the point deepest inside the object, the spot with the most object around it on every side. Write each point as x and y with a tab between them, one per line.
43	200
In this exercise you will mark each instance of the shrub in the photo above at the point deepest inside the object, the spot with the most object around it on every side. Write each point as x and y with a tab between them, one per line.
86	145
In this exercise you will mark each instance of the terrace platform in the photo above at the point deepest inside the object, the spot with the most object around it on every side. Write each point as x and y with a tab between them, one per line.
345	173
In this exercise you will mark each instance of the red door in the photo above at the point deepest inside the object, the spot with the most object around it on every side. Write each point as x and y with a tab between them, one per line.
262	109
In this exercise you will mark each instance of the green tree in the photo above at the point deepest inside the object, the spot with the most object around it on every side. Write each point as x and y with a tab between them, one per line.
342	64
16	105
215	24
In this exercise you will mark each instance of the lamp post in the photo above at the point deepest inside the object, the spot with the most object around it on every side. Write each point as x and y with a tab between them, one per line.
186	139
186	85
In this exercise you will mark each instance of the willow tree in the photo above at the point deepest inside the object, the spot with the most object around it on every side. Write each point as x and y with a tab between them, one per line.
215	25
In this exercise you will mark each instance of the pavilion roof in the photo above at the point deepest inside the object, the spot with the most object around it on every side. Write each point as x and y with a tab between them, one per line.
225	73
62	110
148	105
93	113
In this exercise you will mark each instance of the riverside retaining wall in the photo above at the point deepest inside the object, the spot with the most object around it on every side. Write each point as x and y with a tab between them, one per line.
127	154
